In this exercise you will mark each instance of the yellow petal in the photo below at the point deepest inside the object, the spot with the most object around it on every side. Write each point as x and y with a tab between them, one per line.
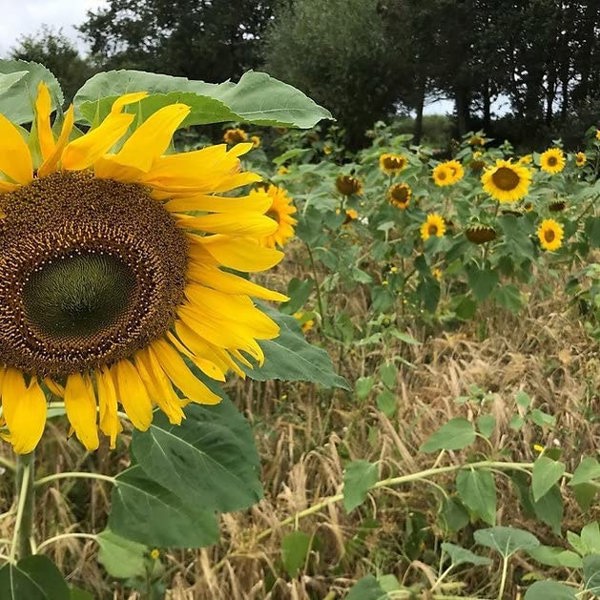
229	283
80	405
259	203
131	98
107	404
159	387
178	372
15	158
207	366
43	109
24	410
49	165
133	395
87	149
241	254
152	137
6	186
244	224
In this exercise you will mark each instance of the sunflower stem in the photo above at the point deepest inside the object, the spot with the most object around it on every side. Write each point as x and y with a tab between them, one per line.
21	543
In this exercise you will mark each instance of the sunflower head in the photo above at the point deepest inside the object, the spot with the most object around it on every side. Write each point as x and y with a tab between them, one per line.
552	161
557	206
255	141
580	159
434	226
399	195
598	134
236	136
526	159
550	233
348	185
280	210
476	140
391	164
448	173
351	215
506	182
480	234
113	269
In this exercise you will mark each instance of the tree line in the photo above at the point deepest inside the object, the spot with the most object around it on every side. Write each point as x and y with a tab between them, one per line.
365	60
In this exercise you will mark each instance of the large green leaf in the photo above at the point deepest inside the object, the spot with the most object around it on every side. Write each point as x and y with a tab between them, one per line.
291	358
477	490
506	540
456	434
368	588
545	590
546	472
210	458
459	555
257	98
145	512
33	578
359	477
19	82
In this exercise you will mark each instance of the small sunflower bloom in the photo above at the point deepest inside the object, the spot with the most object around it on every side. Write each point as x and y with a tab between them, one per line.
448	173
235	136
255	141
437	273
348	185
550	234
552	161
392	164
282	170
281	211
598	134
434	226
351	215
305	322
580	159
117	260
506	182
327	149
476	140
538	448
399	195
526	159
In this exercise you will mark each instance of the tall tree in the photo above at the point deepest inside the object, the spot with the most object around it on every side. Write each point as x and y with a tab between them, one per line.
57	52
210	40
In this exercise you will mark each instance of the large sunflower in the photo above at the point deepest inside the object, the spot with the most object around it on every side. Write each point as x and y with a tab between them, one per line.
281	211
111	279
552	161
506	182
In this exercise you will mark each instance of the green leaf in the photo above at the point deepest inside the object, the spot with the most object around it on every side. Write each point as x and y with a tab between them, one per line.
590	538
587	471
546	472
486	425
359	477
592	229
257	98
477	490
298	292
291	358
522	399
543	590
363	386
549	508
539	417
456	434
482	282
386	403
210	457
556	557
295	547
19	86
459	555
453	516
584	495
79	594
33	578
388	374
591	573
405	337
150	514
509	297
506	540
120	557
367	588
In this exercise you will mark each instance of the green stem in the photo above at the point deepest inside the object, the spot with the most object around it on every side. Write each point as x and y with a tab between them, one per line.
73	475
503	580
317	287
64	536
21	542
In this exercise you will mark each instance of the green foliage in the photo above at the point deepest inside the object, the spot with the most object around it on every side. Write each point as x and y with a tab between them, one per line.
295	547
456	434
359	477
34	578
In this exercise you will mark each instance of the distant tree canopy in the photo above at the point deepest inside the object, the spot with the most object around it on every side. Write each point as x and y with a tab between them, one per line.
55	51
210	40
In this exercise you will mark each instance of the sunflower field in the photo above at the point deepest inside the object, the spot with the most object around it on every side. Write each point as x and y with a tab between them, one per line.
239	360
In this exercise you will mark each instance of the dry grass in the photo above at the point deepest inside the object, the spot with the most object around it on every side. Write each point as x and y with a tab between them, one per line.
306	435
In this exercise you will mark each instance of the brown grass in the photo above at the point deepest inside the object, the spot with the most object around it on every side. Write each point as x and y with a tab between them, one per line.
305	436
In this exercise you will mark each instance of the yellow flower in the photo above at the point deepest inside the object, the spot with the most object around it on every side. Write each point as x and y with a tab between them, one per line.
437	273
347	185
552	161
391	164
283	170
476	140
255	141
448	173
327	149
399	195
351	215
155	554
305	323
580	159
506	182
235	136
117	264
538	448
526	159
281	211
598	134
550	234
433	226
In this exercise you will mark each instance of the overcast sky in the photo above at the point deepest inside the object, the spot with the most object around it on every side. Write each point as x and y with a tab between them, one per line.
21	17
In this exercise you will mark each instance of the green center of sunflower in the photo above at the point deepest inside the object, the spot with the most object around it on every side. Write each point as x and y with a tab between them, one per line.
91	271
79	295
505	179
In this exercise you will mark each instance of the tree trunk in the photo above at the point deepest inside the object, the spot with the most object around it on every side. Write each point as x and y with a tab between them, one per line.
420	104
